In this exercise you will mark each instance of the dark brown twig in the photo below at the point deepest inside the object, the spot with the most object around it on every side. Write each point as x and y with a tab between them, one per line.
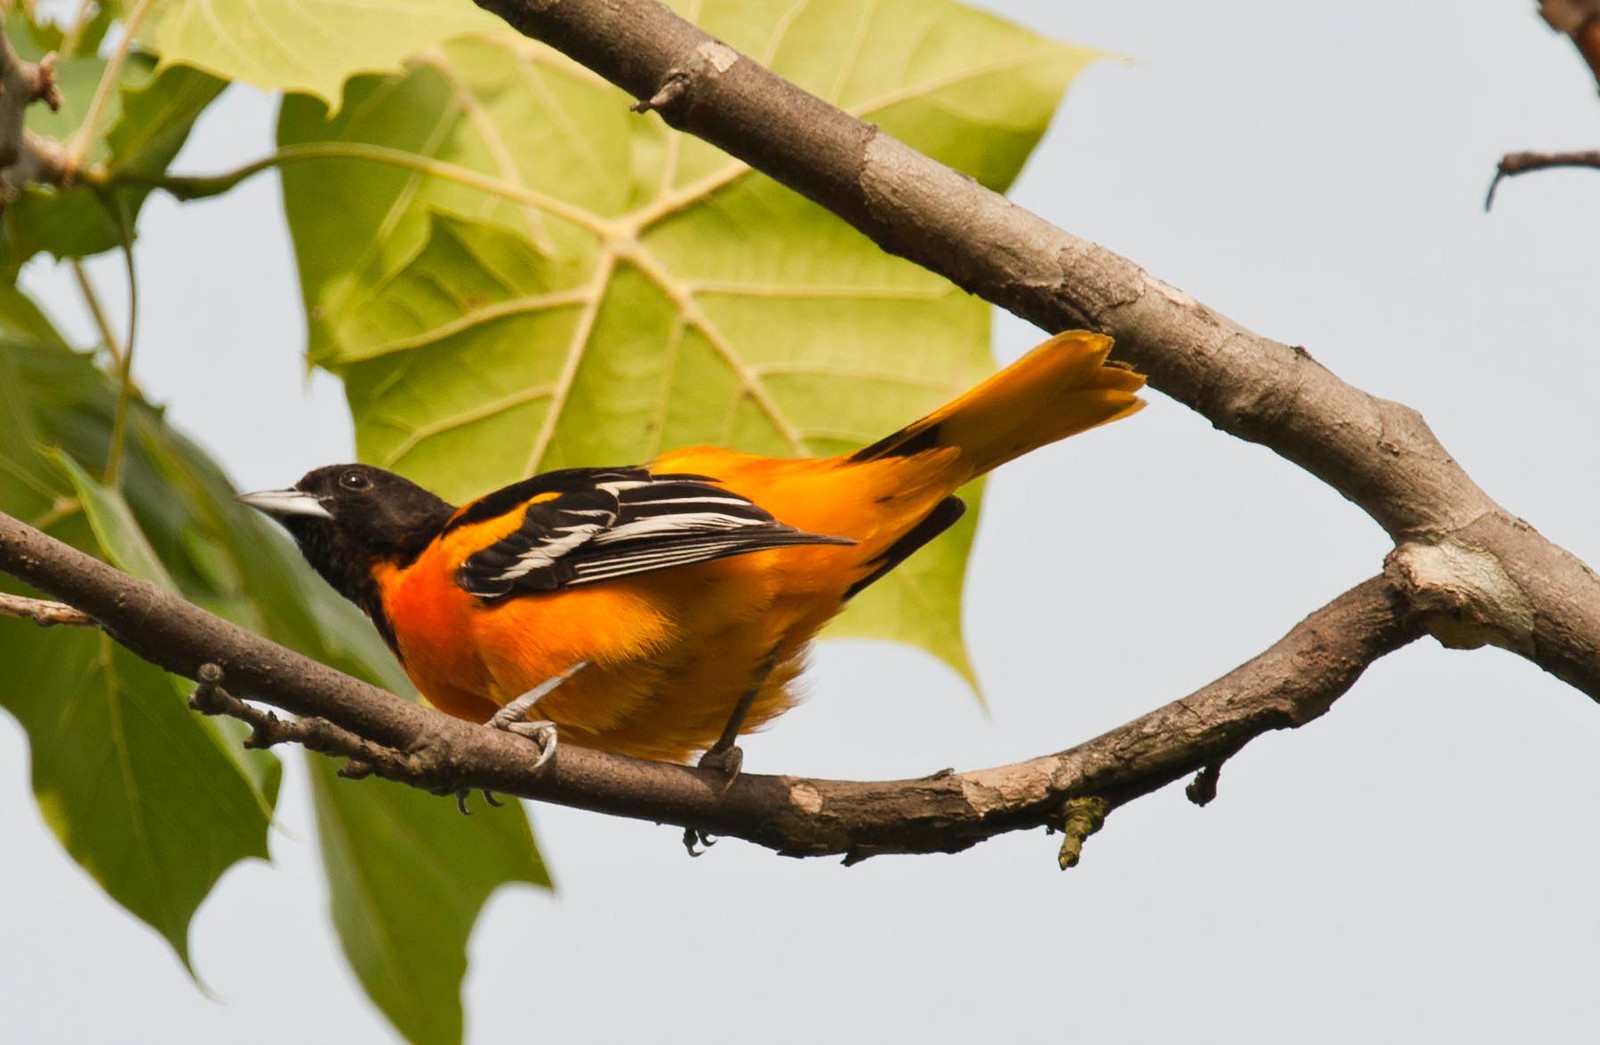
316	734
1515	163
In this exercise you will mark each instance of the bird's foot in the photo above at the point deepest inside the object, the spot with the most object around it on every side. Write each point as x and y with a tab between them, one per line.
463	795
693	837
513	717
541	732
725	760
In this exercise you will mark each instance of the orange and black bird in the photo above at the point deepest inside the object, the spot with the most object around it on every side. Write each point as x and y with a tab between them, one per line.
687	589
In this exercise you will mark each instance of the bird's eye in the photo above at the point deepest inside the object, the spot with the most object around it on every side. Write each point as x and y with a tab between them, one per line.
353	480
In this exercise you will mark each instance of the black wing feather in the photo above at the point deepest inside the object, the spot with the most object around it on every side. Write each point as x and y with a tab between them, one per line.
615	522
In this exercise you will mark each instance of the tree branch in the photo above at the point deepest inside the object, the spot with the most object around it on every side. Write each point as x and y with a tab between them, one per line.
1580	21
43	612
25	156
1489	576
1515	163
1293	682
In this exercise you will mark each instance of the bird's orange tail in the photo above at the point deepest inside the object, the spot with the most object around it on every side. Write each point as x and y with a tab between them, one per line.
1059	389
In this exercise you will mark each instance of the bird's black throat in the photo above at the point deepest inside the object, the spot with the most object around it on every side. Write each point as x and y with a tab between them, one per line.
374	518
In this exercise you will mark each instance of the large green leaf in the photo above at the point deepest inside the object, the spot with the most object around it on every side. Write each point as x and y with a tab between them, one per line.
98	717
626	289
407	875
305	45
141	128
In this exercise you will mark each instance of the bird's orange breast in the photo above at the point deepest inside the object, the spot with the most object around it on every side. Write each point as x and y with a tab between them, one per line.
671	652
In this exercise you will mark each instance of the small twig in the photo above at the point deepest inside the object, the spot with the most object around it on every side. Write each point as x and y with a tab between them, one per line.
318	734
44	88
672	88
43	612
1203	788
1080	818
1515	163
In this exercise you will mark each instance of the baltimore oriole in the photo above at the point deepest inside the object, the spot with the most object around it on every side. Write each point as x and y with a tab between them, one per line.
687	588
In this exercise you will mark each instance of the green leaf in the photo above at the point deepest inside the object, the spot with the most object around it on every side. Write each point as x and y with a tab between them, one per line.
33	40
631	289
175	518
143	125
305	45
407	875
115	529
134	784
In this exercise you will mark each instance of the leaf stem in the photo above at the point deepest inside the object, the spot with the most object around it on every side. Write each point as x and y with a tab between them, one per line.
78	147
97	311
119	427
191	187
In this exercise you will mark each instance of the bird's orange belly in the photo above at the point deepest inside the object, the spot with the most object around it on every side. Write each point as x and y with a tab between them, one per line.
670	653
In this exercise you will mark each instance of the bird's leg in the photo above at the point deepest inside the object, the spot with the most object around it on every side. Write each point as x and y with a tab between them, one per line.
725	756
511	718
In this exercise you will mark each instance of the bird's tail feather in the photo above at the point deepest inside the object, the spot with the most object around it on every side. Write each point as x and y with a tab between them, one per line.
1061	388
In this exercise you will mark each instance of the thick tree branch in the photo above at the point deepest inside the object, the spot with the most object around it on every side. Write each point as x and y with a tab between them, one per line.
1520	590
1293	682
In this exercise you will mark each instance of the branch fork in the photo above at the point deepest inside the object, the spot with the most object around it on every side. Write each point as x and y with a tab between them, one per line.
24	156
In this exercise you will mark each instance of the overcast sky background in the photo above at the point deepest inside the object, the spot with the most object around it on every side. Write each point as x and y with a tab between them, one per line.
1416	866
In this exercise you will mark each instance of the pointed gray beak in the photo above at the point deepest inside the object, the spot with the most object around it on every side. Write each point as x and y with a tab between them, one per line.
280	504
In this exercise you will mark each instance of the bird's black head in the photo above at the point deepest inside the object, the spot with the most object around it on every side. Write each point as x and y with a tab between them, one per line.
348	518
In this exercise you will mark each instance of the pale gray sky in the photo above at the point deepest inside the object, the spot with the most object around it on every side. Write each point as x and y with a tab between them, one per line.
1417	866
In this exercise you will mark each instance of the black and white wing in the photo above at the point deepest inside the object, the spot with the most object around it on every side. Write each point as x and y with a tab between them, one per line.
584	525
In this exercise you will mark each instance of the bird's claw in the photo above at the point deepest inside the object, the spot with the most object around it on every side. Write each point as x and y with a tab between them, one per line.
542	733
693	836
512	717
463	794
